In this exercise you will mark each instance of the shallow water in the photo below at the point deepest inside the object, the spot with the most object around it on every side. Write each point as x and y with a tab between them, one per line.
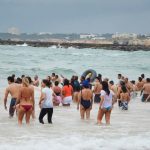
128	130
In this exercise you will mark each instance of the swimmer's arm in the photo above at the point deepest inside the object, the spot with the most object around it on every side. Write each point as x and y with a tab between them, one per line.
5	98
101	102
33	99
142	90
95	88
42	97
79	100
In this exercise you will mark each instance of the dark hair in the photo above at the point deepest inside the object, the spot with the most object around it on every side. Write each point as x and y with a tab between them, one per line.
30	80
13	75
18	80
122	83
111	82
76	78
53	74
148	79
66	82
56	83
11	79
46	82
133	82
56	76
119	75
23	76
82	78
105	87
142	76
124	89
140	79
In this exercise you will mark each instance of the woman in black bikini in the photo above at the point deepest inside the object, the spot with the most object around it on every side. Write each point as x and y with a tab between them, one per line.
85	101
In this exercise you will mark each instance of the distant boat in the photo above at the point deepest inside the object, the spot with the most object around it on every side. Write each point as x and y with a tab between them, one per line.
24	44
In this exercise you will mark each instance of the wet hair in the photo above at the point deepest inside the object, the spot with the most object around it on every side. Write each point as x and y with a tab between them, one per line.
22	76
30	80
105	87
66	82
140	79
97	79
46	82
56	76
111	82
148	80
11	79
124	89
56	83
53	74
142	76
133	81
18	80
25	81
119	75
122	83
13	75
76	78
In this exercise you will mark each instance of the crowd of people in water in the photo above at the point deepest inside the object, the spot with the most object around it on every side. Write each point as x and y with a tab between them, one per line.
58	90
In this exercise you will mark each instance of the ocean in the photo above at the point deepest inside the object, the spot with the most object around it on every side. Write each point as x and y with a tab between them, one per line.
128	129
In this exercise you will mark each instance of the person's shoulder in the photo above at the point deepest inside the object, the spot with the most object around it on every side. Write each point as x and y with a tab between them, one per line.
103	92
112	92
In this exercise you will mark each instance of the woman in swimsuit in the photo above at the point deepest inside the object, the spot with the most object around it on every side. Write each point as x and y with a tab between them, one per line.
85	101
106	103
57	90
26	101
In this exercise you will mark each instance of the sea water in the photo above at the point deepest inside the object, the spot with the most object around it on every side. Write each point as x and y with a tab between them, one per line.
128	130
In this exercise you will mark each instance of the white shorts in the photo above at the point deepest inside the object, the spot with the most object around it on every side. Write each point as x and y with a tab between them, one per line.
67	100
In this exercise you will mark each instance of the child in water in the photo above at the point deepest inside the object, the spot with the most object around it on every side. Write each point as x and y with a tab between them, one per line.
125	98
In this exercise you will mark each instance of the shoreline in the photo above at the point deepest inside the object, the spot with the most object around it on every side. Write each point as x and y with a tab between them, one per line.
76	44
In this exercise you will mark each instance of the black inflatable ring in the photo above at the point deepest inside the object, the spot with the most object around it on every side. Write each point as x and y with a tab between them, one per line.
93	72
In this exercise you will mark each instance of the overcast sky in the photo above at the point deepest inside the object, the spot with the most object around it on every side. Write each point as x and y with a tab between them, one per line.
76	16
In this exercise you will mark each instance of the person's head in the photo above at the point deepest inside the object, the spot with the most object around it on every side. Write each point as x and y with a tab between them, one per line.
142	76
19	80
56	77
133	81
48	78
25	82
105	87
56	83
53	74
97	79
106	79
126	80
148	80
99	76
66	82
13	75
82	78
35	77
111	82
122	83
76	78
10	79
119	76
140	79
22	76
85	84
124	89
46	83
30	80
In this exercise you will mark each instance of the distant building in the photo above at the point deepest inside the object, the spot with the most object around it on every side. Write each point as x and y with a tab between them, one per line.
87	36
124	36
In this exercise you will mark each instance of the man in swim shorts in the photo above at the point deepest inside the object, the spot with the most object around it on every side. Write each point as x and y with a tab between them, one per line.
13	90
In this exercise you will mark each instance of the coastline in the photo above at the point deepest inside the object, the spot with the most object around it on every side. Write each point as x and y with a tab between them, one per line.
77	44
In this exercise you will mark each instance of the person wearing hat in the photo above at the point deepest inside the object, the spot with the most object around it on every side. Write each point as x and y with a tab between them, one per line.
85	100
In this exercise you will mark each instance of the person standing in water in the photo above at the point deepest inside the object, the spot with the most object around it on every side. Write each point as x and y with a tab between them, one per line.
67	93
26	101
125	98
85	101
46	101
106	104
57	90
97	89
36	81
13	90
